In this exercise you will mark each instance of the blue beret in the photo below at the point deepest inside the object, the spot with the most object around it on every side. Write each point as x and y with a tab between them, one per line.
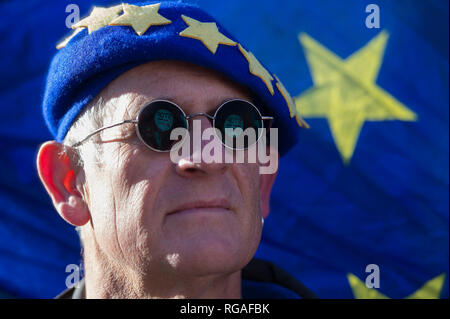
113	40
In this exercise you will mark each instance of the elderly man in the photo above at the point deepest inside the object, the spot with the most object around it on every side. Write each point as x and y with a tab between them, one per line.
152	227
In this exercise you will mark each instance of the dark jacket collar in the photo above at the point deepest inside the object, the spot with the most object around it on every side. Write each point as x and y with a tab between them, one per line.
260	279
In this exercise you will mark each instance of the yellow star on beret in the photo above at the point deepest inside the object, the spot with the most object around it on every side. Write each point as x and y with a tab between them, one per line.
207	32
140	18
257	69
98	18
66	40
291	105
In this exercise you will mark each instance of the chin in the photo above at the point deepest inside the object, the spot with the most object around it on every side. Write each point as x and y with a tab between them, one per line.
212	254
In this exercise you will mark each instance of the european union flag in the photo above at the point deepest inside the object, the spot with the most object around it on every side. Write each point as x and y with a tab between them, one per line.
360	207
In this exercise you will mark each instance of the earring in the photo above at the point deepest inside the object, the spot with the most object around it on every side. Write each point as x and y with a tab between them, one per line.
262	219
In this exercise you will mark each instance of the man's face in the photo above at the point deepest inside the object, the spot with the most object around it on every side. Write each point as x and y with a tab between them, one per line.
151	214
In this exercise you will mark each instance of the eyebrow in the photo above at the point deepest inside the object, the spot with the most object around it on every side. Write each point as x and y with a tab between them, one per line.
210	111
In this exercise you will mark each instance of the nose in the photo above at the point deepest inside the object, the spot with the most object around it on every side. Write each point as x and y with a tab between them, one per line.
206	154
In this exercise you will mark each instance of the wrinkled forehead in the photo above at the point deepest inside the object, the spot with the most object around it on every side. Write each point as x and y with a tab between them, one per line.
193	88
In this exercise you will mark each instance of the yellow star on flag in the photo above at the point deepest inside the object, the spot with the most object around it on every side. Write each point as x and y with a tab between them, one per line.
140	18
207	32
257	69
98	18
430	290
345	91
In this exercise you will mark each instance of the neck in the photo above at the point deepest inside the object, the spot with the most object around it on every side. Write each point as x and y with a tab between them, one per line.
106	279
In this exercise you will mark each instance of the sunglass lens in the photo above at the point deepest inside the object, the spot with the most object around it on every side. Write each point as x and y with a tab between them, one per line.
238	122
156	121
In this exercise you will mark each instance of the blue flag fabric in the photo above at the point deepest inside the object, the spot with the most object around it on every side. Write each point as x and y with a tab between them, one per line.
366	186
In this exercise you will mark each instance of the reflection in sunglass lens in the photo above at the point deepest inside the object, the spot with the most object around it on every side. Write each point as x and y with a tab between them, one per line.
233	119
156	122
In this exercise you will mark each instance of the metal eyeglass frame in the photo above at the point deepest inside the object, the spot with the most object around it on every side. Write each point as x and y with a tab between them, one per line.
187	117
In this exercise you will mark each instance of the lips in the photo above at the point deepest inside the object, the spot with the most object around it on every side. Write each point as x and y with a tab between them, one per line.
216	205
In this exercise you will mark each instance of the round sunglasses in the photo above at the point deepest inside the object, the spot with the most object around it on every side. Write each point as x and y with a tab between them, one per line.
156	121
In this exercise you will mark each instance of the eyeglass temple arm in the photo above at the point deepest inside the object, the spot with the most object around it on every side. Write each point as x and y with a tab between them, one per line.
101	129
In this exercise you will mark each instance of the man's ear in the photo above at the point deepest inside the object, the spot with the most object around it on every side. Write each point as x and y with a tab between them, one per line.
266	182
58	176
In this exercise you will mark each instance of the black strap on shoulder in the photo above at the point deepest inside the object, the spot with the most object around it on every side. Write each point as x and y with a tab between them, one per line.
73	292
265	271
